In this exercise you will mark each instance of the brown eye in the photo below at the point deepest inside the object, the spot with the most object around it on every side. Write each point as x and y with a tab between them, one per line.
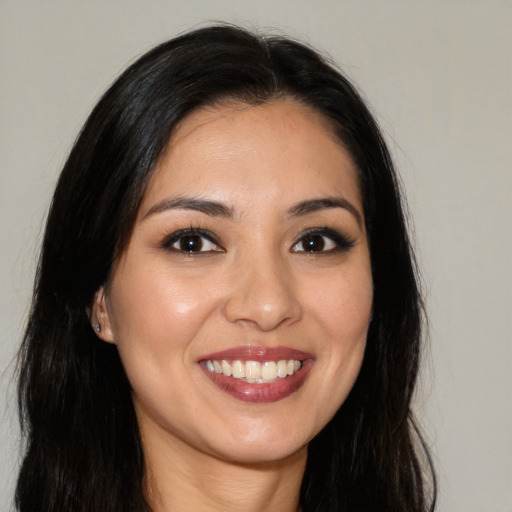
191	241
313	243
322	240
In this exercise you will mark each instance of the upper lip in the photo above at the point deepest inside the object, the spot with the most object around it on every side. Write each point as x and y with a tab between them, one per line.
257	353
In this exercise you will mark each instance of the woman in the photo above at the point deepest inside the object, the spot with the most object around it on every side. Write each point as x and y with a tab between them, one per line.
226	313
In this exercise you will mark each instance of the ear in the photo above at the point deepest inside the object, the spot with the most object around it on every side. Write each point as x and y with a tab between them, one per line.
100	318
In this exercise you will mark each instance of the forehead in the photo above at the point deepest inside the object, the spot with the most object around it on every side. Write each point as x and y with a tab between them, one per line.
278	145
242	113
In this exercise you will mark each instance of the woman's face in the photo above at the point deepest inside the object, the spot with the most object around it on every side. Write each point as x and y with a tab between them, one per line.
249	257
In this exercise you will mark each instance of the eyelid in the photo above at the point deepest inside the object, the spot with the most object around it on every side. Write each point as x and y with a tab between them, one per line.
342	242
171	239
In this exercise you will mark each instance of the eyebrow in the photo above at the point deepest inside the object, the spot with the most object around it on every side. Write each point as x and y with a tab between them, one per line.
315	205
212	208
217	209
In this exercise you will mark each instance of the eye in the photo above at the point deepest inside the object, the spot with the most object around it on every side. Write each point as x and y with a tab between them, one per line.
322	240
191	241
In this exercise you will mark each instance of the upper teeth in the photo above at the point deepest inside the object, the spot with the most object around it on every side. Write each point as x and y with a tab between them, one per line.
254	371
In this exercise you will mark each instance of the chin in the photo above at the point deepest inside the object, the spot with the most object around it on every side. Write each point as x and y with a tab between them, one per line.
258	455
263	446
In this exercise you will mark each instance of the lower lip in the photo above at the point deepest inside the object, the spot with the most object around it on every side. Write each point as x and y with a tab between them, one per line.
260	393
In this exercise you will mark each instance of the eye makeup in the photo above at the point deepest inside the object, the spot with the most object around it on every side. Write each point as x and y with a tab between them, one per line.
313	241
322	240
190	241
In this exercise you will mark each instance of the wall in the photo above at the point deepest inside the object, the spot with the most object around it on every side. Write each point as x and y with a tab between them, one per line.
438	75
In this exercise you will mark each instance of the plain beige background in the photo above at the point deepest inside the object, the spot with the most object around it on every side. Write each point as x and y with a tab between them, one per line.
438	75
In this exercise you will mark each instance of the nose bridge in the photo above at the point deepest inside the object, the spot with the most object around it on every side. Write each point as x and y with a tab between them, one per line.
263	292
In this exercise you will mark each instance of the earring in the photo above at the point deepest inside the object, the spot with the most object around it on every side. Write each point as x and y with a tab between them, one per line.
97	327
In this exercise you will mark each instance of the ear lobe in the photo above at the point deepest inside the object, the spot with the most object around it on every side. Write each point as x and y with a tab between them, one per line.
100	318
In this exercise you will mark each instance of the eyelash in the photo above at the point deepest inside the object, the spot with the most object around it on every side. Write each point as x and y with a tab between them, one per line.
191	233
339	241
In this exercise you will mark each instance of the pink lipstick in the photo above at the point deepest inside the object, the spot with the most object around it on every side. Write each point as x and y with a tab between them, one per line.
258	374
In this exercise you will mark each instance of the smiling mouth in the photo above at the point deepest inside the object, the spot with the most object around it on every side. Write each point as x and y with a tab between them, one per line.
255	372
258	374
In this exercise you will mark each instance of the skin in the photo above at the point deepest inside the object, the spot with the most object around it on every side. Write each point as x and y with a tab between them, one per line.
254	285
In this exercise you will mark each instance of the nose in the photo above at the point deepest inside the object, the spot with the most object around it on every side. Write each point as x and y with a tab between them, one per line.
263	295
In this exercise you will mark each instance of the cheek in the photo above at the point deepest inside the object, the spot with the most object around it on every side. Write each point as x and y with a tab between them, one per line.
157	313
342	311
156	319
343	305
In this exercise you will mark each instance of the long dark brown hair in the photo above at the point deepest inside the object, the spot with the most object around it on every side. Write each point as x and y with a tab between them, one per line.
83	449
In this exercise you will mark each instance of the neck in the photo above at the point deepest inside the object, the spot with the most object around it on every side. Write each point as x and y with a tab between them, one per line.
179	478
